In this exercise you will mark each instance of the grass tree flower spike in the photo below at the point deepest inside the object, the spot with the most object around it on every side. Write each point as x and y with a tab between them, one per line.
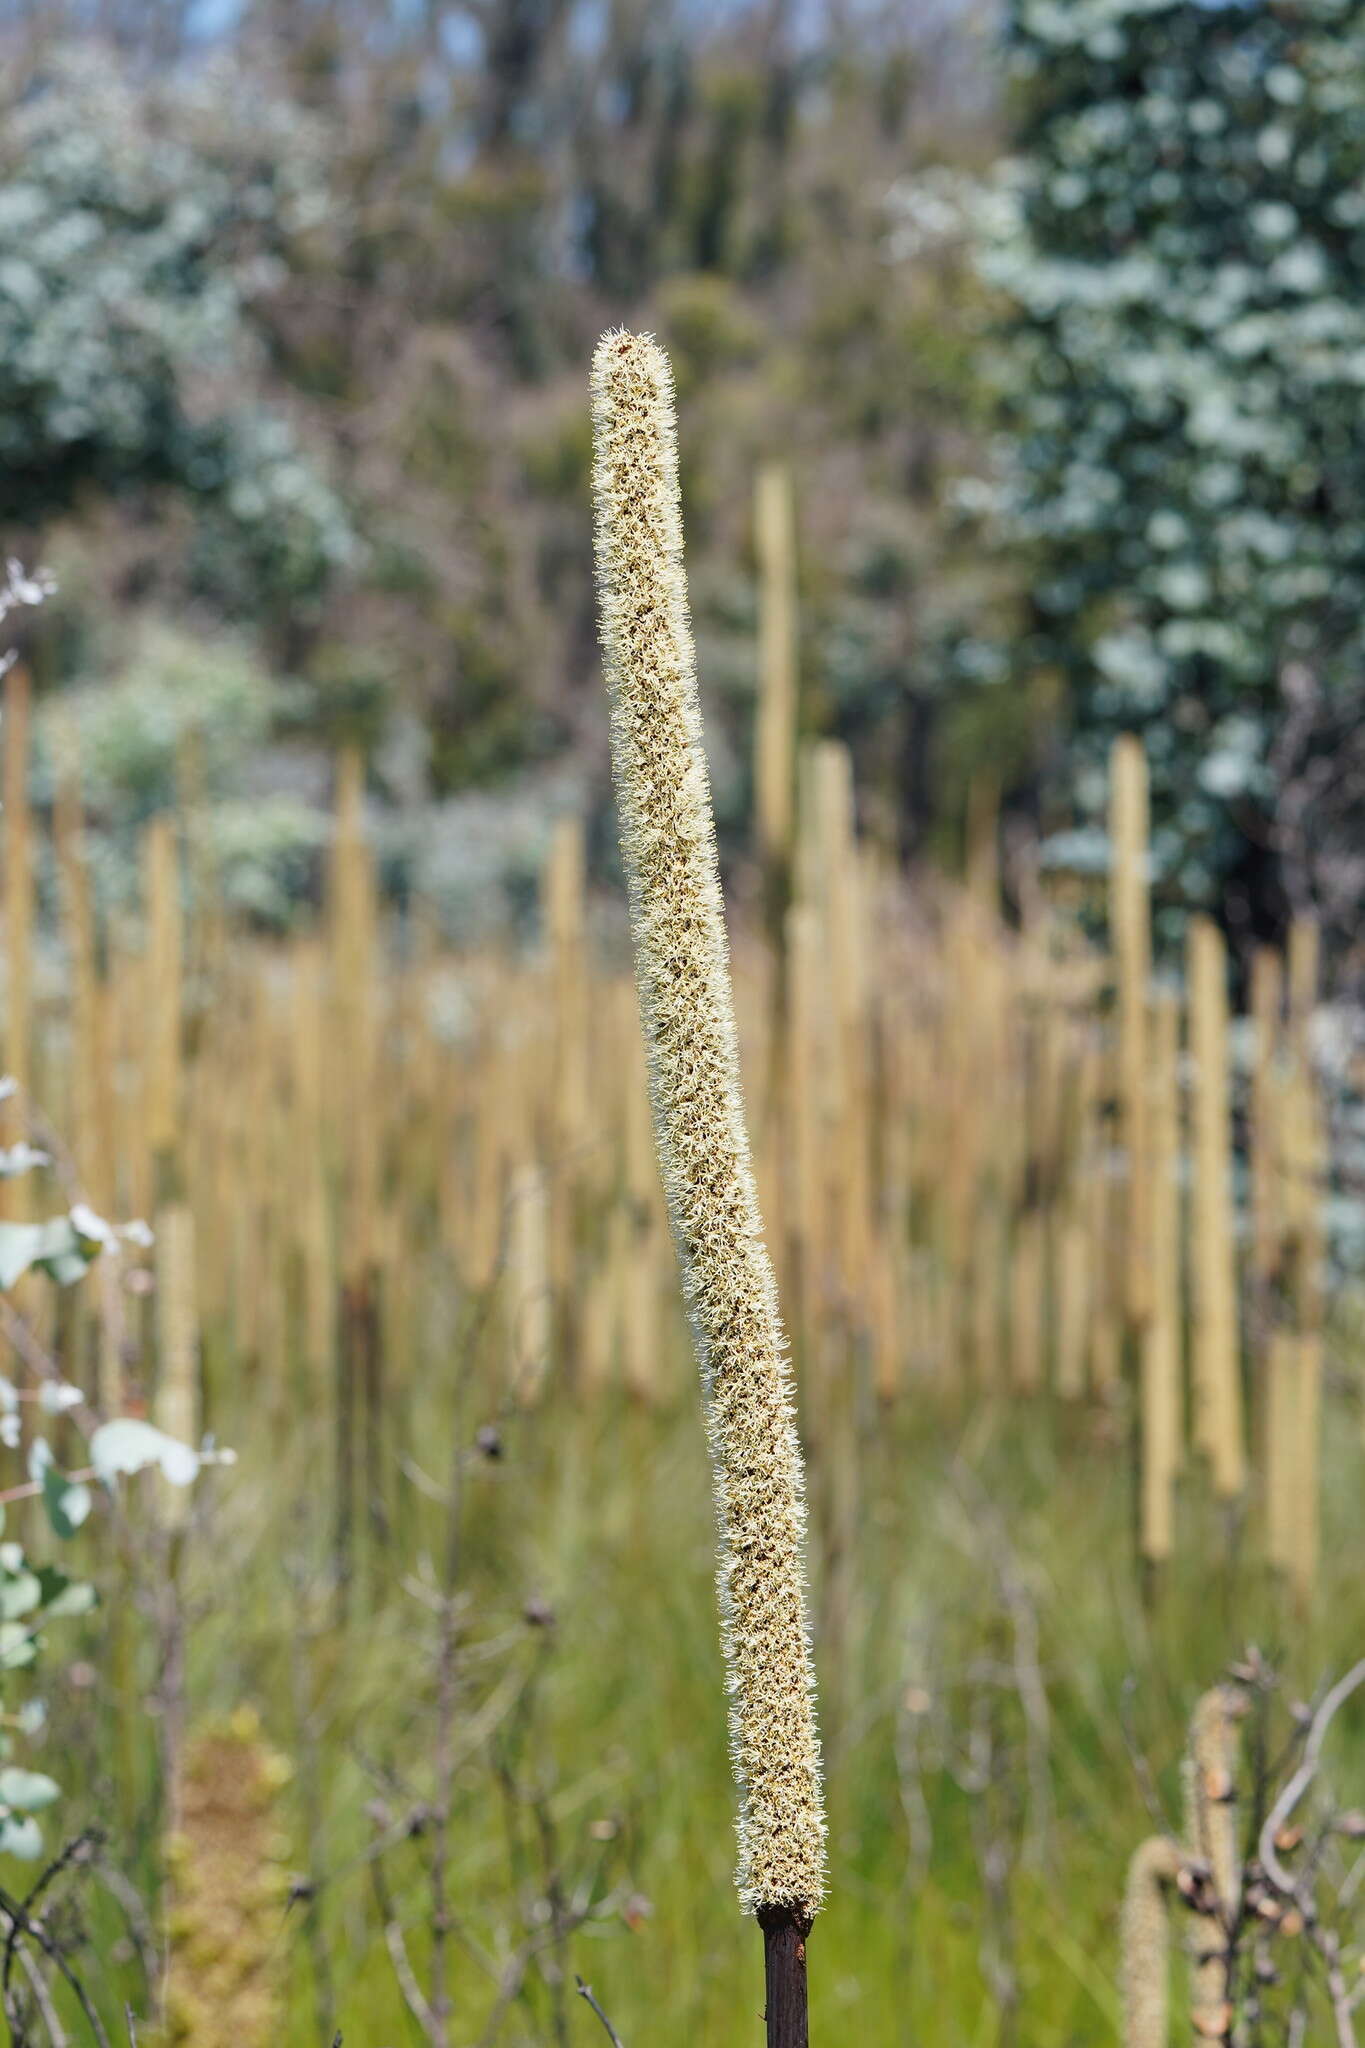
1209	1776
1145	1931
682	970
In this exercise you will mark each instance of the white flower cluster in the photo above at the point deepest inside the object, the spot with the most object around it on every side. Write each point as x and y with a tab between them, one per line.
1180	238
935	208
134	236
19	590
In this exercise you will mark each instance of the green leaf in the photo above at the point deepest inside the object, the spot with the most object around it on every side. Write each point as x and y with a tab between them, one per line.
30	1791
19	1595
91	1229
128	1445
19	1244
20	1158
17	1647
22	1838
56	1248
56	1396
78	1598
53	1580
67	1501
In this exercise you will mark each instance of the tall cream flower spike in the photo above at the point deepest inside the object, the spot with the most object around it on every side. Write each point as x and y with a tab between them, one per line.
682	971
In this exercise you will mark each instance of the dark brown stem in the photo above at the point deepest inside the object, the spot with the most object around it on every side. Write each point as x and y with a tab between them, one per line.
784	1973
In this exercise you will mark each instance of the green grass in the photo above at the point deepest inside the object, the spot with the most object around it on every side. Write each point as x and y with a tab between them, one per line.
942	1539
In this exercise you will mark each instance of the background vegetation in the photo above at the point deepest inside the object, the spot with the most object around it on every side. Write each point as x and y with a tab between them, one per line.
1054	320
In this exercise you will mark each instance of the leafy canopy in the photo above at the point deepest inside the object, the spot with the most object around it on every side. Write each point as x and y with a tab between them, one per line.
1182	243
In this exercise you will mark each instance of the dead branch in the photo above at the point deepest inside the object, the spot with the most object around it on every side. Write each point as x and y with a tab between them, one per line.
585	1991
1294	1790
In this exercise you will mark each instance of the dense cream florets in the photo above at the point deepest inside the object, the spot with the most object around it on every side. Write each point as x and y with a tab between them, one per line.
682	968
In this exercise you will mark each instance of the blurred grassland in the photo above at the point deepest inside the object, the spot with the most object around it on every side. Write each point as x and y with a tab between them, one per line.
970	1530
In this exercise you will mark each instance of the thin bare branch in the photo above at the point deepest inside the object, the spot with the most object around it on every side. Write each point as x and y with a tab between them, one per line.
585	1992
14	1913
1303	1777
42	1998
